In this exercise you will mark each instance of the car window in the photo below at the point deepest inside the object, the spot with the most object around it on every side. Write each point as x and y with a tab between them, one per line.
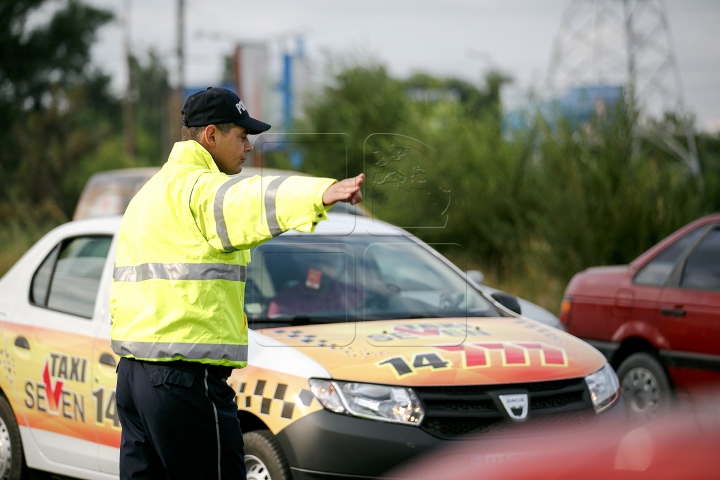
69	277
398	266
702	269
657	270
364	278
41	279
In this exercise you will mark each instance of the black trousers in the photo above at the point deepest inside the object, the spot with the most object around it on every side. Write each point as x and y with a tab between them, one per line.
179	421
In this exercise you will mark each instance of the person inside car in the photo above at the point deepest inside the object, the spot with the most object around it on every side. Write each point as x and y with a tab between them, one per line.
318	288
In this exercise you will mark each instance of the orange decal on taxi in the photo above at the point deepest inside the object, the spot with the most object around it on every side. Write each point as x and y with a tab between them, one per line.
479	355
52	395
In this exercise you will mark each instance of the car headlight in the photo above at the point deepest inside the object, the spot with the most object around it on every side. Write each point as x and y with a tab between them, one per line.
378	402
604	388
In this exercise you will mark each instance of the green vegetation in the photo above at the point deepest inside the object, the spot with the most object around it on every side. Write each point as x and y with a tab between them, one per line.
530	207
62	123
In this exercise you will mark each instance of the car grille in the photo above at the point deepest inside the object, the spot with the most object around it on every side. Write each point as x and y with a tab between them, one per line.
454	411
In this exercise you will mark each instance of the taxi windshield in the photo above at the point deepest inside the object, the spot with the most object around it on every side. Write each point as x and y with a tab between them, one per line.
298	280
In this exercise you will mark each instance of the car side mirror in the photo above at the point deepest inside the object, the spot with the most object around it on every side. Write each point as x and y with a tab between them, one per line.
508	301
476	276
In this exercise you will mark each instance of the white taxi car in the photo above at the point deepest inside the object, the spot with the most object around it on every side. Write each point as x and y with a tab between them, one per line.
367	348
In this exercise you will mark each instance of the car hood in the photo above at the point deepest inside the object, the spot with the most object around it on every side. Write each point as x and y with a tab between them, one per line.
441	351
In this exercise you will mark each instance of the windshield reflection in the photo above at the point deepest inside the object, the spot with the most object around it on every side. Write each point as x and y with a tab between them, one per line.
300	280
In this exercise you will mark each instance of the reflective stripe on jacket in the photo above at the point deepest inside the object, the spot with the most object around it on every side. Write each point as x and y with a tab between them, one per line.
182	254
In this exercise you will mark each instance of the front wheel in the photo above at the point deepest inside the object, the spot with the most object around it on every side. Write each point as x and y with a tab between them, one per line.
645	386
12	463
264	459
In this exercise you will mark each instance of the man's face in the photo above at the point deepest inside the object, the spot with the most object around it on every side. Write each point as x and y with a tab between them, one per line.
330	264
231	150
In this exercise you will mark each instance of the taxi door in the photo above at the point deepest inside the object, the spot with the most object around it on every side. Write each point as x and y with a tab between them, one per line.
107	422
51	338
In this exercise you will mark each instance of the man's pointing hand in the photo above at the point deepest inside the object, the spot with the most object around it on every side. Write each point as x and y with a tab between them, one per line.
347	190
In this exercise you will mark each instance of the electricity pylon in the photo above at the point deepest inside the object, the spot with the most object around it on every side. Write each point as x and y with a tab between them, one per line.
627	43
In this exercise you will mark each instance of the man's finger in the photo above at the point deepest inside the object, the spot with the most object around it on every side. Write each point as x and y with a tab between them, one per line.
356	198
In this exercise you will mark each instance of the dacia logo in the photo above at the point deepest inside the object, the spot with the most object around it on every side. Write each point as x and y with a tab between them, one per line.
516	405
240	106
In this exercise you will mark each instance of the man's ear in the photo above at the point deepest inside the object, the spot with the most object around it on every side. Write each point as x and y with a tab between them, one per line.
209	135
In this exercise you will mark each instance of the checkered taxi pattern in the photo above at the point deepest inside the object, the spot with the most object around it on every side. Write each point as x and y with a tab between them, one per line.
277	401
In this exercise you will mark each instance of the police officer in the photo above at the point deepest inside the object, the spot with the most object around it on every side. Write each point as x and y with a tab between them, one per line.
178	289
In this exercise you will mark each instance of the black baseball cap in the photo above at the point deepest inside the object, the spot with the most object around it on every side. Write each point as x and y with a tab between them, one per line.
219	105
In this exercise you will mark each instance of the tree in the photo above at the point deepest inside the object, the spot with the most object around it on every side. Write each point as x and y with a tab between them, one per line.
42	70
361	100
46	88
35	61
152	113
475	101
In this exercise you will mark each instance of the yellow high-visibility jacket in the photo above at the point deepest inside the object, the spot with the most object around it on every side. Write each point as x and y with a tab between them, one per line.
182	254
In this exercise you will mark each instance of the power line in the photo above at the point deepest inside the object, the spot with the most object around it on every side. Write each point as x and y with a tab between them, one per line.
626	43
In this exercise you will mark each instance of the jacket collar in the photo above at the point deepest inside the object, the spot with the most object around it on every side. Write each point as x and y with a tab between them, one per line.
192	153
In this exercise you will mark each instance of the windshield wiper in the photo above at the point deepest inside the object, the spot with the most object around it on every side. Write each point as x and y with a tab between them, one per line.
432	315
302	319
319	318
401	316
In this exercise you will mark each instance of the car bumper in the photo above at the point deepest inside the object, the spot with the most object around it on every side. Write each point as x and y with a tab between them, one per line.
329	446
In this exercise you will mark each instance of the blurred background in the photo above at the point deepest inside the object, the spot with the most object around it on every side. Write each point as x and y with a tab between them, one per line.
546	135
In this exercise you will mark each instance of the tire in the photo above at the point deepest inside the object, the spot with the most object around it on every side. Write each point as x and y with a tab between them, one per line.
264	459
12	459
645	387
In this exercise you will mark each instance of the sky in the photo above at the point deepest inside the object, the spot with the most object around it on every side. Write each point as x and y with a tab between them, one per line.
461	38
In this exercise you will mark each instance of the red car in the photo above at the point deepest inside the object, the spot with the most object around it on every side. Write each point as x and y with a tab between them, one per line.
657	320
683	444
